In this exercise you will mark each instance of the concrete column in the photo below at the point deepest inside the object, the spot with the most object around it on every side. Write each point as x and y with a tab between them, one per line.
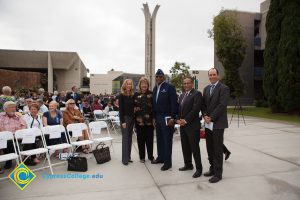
150	43
50	74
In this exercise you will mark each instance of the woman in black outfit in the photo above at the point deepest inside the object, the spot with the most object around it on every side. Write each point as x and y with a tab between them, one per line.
126	115
144	119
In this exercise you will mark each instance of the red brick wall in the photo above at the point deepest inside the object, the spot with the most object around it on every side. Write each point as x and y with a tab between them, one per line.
17	79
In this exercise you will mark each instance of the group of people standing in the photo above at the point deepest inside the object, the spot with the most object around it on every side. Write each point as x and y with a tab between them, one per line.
162	109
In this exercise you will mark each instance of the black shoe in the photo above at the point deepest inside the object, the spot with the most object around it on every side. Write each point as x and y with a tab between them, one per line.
209	173
197	174
227	155
142	160
8	164
156	161
185	168
165	167
125	164
130	161
215	179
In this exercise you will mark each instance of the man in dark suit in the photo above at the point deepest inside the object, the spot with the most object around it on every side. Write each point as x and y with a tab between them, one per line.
164	105
74	95
215	99
190	103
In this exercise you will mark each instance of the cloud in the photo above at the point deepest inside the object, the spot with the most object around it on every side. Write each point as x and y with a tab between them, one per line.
110	34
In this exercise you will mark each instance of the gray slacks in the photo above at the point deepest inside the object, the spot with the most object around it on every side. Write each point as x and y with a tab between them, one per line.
127	139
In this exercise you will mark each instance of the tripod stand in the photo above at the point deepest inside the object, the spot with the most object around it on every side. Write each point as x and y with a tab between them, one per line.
238	108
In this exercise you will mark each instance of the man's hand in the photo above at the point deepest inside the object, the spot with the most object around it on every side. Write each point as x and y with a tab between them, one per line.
124	125
171	122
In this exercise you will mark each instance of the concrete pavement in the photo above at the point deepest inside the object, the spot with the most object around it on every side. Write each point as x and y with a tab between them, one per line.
264	164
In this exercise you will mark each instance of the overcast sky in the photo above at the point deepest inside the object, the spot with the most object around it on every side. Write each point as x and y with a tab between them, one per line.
110	33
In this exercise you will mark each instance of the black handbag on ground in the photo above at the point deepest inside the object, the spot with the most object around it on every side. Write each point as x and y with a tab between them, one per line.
78	164
102	154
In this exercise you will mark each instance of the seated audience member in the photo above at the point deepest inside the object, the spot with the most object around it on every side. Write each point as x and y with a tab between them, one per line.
6	96
28	103
116	104
33	120
87	110
50	118
96	104
108	108
9	121
72	115
42	106
61	99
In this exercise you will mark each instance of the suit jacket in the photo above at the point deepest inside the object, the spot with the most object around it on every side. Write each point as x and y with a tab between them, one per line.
215	105
76	97
166	104
189	110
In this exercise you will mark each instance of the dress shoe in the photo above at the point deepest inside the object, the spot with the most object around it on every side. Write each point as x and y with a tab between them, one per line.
185	168
197	174
8	164
156	161
209	173
142	160
165	167
130	161
125	164
227	154
215	179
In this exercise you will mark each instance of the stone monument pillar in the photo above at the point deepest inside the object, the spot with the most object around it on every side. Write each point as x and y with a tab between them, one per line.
150	43
50	73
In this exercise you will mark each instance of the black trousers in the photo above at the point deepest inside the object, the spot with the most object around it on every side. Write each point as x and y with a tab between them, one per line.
145	140
225	150
190	145
214	146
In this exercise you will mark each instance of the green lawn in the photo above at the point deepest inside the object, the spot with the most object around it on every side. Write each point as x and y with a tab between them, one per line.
266	113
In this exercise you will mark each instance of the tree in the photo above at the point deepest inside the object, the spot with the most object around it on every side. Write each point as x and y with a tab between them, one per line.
230	48
178	71
289	57
270	76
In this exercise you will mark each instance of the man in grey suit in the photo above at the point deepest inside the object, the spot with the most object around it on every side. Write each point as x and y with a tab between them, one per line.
190	103
215	100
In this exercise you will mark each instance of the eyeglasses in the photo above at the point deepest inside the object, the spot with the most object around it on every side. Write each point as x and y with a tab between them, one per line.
159	76
71	103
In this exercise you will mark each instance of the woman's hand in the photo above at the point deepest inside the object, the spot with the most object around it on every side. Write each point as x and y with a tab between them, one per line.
124	125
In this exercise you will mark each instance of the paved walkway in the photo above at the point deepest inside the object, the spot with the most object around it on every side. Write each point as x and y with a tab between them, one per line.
265	164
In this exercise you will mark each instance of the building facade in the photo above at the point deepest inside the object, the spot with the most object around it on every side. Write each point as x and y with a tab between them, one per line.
62	69
251	70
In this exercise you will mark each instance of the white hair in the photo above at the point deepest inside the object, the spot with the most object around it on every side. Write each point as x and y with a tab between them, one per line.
6	90
8	103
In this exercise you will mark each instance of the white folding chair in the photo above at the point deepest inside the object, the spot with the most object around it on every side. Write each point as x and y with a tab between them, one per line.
5	136
28	136
96	133
77	129
99	115
114	119
55	132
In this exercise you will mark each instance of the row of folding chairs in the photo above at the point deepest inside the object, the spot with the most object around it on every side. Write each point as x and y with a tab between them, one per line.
28	136
112	118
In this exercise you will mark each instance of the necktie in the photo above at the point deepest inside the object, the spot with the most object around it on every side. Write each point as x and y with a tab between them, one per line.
212	87
185	95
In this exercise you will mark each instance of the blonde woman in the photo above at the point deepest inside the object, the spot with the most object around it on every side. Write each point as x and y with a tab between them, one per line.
126	114
51	118
72	115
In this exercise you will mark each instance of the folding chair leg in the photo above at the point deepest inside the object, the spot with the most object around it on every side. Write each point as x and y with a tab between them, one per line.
49	162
